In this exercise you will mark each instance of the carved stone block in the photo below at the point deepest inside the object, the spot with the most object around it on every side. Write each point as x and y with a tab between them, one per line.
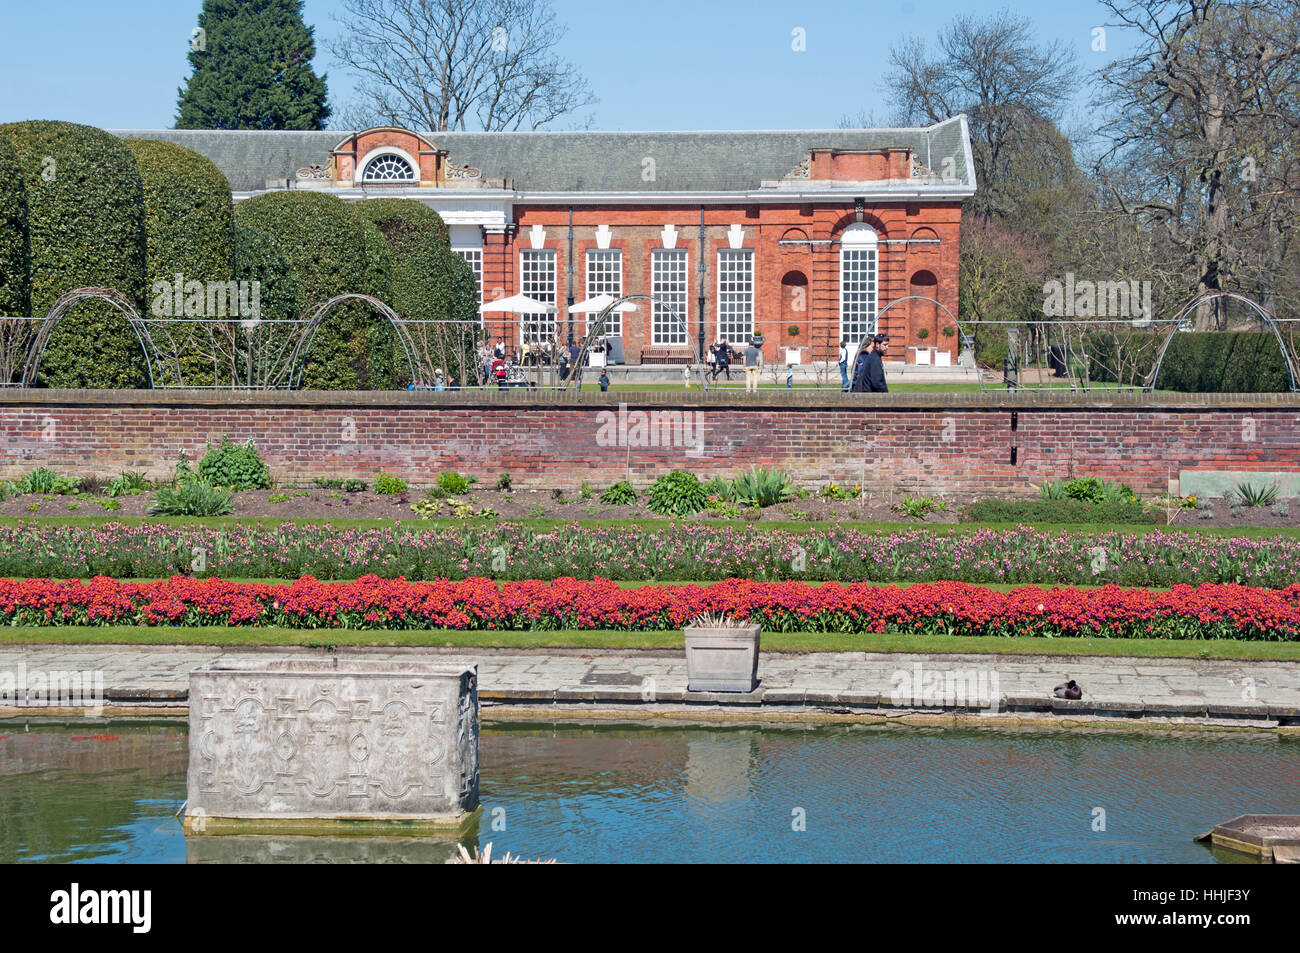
323	745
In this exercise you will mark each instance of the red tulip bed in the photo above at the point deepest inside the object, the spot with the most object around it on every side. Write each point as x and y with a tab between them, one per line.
1209	611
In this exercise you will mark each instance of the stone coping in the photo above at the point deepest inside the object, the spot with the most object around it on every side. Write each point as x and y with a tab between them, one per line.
762	701
693	399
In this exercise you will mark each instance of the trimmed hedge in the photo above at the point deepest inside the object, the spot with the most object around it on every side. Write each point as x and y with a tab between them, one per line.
15	274
1058	511
325	247
429	281
189	231
85	219
257	257
1198	362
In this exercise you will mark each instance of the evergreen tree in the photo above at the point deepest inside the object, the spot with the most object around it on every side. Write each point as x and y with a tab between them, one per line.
252	69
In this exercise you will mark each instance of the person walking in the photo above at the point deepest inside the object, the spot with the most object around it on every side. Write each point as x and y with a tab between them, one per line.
859	380
876	366
844	365
724	359
753	364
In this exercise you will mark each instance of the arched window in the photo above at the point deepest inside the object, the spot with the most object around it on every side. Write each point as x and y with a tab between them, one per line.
388	167
858	247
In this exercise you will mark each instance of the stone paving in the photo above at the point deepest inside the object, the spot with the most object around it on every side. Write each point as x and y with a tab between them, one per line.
857	680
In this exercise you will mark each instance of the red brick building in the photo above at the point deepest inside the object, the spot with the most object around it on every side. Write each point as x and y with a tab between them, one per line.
803	236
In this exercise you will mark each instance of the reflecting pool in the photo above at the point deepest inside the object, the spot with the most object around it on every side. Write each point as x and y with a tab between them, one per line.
580	793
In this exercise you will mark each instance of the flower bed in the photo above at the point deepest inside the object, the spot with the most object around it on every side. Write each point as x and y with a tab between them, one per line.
951	608
681	552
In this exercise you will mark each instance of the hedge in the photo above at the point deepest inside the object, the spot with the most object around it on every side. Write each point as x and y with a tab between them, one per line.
85	218
189	231
258	258
15	275
429	282
1199	362
320	239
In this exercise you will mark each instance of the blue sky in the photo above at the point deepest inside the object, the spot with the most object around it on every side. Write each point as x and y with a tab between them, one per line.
666	64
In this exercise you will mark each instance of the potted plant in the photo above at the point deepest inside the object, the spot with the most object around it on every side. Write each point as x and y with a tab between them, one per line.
721	653
793	330
923	333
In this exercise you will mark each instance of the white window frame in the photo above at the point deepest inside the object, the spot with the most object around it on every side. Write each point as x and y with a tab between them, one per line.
359	172
474	258
605	281
534	282
664	331
735	305
859	282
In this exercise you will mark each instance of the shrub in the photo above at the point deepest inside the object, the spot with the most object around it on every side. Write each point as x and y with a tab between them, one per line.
238	466
325	248
258	258
189	231
85	227
1199	362
722	488
504	482
349	484
761	487
15	265
195	497
1253	495
454	484
621	493
40	480
1087	489
1056	511
677	494
1052	490
832	491
918	507
386	484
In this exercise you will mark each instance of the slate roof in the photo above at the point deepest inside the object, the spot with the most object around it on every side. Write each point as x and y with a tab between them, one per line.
585	161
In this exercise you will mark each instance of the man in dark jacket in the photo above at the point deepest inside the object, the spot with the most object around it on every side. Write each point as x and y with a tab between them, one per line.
876	366
859	379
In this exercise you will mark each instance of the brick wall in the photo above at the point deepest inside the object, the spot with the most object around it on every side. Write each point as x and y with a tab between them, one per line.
931	443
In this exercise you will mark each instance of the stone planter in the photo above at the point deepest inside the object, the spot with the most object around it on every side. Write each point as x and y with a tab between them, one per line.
722	659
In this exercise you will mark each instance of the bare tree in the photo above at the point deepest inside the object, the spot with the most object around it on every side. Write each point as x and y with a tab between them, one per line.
457	64
1011	88
1205	117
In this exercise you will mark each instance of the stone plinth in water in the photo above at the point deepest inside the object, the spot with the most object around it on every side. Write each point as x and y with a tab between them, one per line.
331	746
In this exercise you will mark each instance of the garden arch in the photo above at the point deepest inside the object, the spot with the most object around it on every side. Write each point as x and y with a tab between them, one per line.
317	317
962	338
65	303
1259	309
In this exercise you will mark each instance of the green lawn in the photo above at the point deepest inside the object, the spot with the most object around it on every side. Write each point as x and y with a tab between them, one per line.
236	636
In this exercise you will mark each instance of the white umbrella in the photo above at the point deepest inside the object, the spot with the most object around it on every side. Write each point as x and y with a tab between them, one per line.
519	304
600	303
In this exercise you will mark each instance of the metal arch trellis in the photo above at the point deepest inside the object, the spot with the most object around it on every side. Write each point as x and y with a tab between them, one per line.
1208	296
65	303
573	381
963	339
297	363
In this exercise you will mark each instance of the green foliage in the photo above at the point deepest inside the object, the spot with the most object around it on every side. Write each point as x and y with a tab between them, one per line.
277	498
918	507
254	69
1197	362
386	484
1087	489
1052	490
427	280
1056	511
1090	490
183	472
721	488
45	480
832	491
1253	495
349	484
586	492
677	494
319	239
85	227
427	508
762	487
450	484
621	493
189	231
234	465
723	509
127	484
15	266
194	497
504	482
